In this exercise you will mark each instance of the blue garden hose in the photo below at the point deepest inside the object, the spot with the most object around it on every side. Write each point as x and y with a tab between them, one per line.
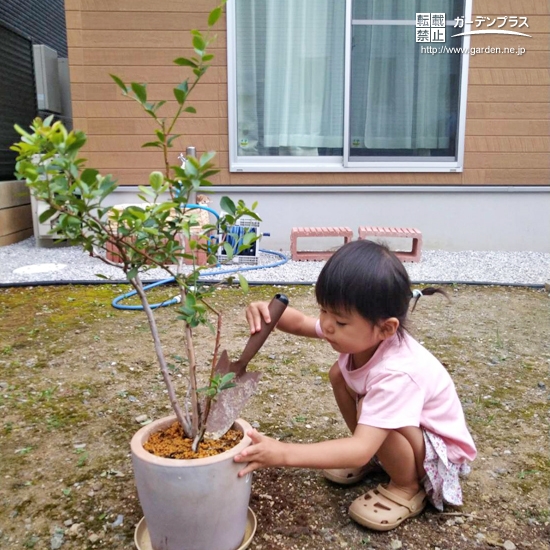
116	302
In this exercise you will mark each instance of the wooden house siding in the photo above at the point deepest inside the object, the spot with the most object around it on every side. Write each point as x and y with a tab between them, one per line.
508	111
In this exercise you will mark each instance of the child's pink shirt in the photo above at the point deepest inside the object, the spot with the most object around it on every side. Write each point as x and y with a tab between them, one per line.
405	385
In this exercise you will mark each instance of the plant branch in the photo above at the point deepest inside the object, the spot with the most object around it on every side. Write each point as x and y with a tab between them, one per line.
138	286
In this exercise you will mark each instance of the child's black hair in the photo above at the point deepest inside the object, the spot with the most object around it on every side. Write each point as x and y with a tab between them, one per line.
368	278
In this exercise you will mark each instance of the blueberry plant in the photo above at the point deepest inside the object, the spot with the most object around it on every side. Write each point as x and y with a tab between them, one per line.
149	235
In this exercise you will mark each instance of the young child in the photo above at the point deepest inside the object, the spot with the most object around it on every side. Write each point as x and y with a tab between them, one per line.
397	399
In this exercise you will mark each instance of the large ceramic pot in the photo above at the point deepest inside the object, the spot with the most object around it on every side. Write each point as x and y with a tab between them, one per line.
198	504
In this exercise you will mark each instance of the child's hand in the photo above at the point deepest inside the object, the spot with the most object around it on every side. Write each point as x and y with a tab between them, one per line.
255	312
263	452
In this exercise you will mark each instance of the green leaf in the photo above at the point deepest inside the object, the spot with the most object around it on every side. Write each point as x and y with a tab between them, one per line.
164	207
190	110
156	179
172	138
214	16
46	215
207	174
89	176
119	83
158	105
153	144
206	158
199	43
77	143
227	205
179	95
226	378
228	250
140	91
243	282
184	62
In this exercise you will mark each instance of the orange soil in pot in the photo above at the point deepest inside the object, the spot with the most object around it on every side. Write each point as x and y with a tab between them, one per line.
172	443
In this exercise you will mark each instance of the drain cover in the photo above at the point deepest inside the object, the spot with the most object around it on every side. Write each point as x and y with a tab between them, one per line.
39	268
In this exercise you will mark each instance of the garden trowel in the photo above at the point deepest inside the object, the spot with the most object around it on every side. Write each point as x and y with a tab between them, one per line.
229	403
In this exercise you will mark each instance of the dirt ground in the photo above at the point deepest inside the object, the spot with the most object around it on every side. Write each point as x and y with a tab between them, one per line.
76	373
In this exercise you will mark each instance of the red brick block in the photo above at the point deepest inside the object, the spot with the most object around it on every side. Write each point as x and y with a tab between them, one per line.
395	232
313	255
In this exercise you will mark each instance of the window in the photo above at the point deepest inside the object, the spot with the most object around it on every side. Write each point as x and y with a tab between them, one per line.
343	85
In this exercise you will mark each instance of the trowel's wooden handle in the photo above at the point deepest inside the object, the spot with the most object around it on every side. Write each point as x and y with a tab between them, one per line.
256	341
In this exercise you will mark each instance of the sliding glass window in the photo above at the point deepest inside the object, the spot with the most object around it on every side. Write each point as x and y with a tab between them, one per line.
345	85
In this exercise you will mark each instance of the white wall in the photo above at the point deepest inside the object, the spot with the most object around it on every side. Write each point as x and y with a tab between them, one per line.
458	218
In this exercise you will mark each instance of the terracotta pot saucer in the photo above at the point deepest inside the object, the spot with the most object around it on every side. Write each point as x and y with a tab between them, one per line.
143	542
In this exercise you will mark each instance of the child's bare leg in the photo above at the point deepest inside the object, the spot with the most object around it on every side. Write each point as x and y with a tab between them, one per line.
345	399
402	455
386	507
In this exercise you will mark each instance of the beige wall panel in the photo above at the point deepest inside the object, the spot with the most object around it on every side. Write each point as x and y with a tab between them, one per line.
112	126
508	110
508	160
222	74
223	126
481	127
204	6
537	24
504	94
131	176
517	177
72	5
537	42
518	144
80	124
147	21
224	142
474	176
140	159
129	108
133	143
508	104
75	57
80	110
155	92
73	20
96	92
222	92
134	56
168	74
509	176
511	7
529	60
74	39
222	160
141	39
342	179
510	77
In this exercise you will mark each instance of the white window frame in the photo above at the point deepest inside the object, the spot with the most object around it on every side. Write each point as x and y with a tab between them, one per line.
340	164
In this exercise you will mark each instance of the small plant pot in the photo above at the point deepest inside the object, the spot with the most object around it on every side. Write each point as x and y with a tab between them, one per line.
192	504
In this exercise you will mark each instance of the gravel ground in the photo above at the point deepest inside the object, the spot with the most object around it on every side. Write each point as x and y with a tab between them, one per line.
26	263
